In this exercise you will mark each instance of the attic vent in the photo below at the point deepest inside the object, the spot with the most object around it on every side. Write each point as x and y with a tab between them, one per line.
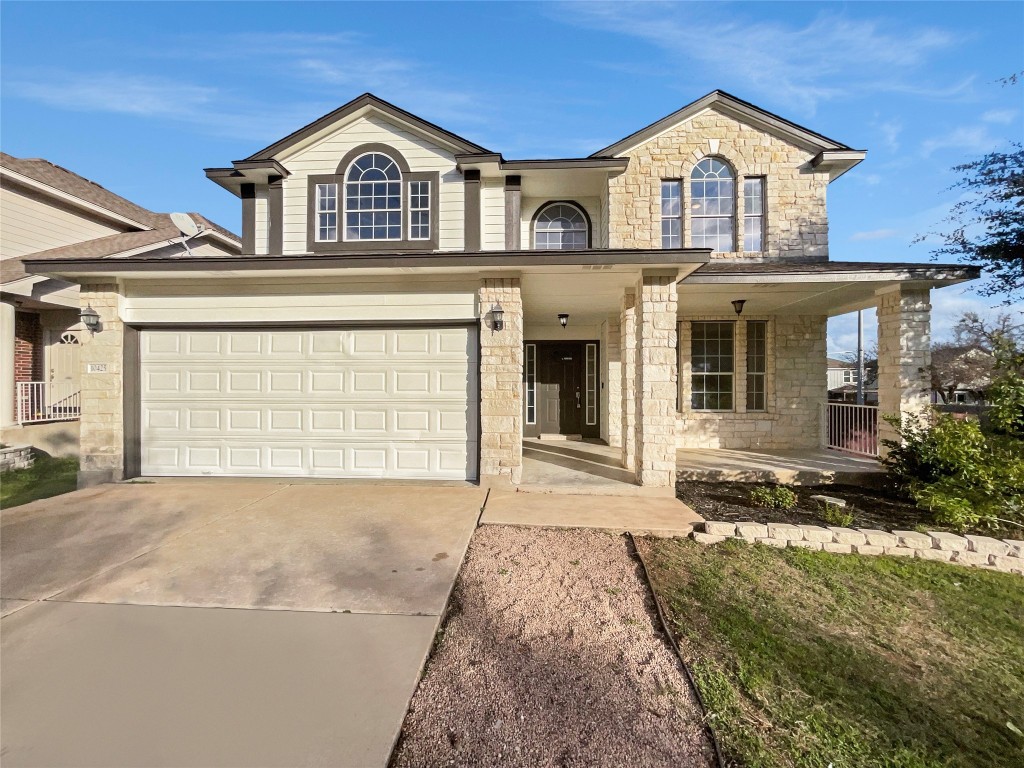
597	267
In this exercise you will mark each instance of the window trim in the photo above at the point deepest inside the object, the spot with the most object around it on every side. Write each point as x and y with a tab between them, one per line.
317	212
530	383
735	202
763	374
430	221
763	216
684	361
403	186
405	244
733	374
679	217
590	377
544	206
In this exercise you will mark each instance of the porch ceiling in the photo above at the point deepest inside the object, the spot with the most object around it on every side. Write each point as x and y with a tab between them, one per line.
588	297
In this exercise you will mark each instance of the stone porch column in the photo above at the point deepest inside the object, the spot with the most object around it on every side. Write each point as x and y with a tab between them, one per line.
656	378
102	358
627	331
904	355
501	383
7	365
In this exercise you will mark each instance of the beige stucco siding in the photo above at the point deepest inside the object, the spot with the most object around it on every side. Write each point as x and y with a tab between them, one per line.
492	215
31	225
325	299
530	206
797	222
323	157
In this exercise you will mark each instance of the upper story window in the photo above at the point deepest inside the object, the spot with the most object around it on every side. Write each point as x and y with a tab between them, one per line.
561	227
671	214
712	207
753	214
373	199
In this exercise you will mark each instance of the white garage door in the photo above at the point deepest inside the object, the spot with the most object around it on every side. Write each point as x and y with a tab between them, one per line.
374	403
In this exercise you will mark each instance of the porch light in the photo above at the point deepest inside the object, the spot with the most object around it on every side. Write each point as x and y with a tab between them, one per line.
90	318
497	317
563	318
738	305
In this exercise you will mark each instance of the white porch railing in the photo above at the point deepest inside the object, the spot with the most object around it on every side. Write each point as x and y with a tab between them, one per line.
850	428
48	401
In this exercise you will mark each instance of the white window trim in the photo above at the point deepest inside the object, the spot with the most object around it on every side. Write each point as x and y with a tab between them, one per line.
318	213
530	383
734	216
569	204
763	216
343	216
430	223
590	384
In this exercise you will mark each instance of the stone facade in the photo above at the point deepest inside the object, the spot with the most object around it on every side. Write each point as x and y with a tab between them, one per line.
904	355
796	222
501	382
656	380
102	360
627	389
795	384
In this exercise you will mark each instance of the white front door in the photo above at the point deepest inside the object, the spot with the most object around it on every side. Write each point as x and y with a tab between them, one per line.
62	360
352	402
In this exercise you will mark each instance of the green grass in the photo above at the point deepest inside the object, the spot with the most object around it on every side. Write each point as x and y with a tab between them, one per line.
811	659
46	477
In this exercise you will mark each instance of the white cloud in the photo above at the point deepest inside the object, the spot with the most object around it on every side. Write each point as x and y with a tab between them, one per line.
112	92
966	140
1000	116
825	58
874	234
891	130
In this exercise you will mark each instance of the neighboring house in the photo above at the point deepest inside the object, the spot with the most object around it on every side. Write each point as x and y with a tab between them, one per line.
48	212
409	304
842	381
960	375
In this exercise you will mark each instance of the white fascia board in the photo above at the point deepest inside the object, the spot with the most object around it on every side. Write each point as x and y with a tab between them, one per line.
932	276
77	201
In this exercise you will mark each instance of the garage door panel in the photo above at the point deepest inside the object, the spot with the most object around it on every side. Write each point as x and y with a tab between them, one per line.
327	402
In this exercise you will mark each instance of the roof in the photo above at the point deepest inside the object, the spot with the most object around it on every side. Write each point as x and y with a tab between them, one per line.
728	103
66	181
793	269
366	100
835	362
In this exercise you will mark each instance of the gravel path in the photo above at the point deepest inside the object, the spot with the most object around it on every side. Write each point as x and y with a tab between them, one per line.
552	655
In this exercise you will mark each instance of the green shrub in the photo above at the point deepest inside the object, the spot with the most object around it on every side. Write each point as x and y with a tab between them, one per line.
836	515
962	475
773	497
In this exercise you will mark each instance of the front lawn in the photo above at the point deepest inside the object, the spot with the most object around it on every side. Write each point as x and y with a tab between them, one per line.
814	659
47	477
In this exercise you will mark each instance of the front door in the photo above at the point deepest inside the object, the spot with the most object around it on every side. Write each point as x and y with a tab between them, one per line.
557	380
63	377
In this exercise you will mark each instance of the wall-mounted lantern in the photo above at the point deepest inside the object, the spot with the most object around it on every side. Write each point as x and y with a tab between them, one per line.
497	317
738	305
90	319
563	318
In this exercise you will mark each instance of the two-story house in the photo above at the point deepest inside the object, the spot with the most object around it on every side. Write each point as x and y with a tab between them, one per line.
409	304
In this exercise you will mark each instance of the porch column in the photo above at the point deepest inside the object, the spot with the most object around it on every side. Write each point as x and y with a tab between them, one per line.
904	355
656	378
501	383
7	364
627	330
102	357
611	382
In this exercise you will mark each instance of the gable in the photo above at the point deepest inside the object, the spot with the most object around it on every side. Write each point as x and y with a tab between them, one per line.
363	106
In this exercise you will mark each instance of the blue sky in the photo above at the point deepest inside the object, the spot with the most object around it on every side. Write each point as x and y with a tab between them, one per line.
140	97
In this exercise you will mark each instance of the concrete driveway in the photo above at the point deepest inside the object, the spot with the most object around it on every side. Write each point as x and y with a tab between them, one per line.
222	623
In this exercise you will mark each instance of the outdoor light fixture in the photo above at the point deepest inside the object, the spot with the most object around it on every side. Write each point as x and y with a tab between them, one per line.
497	317
90	318
738	305
563	319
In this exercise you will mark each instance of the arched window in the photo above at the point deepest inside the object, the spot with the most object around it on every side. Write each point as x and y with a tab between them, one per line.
560	227
712	205
373	199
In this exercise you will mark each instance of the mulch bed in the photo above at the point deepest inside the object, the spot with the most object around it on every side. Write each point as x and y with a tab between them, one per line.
871	508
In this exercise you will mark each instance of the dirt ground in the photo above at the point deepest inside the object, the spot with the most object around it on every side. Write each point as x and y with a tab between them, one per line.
871	508
552	655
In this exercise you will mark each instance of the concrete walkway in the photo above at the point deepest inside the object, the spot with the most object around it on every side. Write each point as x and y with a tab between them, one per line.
788	467
209	622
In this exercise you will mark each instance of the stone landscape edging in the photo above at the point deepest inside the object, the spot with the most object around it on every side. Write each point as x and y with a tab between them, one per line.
16	457
1006	555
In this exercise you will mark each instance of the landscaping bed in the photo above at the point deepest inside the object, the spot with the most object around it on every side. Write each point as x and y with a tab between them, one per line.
815	659
870	507
552	655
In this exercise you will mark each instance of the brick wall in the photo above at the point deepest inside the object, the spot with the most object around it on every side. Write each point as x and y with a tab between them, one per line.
28	347
796	223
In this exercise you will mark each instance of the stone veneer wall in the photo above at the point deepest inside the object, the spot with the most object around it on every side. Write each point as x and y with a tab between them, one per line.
796	388
797	221
501	382
656	380
904	355
102	423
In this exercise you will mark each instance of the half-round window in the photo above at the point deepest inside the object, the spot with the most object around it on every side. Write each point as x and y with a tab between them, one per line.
373	199
712	205
560	227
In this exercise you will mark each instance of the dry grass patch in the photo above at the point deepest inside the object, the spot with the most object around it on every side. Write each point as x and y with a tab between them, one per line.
814	659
